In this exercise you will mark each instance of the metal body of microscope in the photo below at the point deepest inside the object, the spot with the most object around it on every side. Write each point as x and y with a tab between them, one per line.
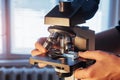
69	39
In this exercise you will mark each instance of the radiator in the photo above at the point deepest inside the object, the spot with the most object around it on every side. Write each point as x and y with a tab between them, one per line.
27	73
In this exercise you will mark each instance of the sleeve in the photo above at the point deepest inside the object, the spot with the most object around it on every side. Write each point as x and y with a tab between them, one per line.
118	27
88	7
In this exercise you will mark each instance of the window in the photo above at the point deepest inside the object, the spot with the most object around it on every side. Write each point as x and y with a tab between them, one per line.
24	21
27	23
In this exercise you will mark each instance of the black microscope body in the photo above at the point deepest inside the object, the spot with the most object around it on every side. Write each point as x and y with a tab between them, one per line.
68	36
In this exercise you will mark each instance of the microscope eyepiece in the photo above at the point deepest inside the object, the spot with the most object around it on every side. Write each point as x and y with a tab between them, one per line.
65	7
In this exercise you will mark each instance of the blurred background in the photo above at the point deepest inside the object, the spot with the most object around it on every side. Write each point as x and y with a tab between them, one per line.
22	24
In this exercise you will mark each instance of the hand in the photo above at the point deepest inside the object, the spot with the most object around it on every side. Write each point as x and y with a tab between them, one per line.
39	50
107	66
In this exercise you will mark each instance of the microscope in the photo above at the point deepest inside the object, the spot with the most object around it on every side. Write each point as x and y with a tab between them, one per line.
69	38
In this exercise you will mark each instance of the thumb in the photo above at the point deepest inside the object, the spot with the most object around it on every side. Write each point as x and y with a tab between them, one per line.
91	54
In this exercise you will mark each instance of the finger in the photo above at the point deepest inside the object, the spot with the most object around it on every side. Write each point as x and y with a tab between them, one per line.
35	52
97	55
42	40
40	47
41	65
80	74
